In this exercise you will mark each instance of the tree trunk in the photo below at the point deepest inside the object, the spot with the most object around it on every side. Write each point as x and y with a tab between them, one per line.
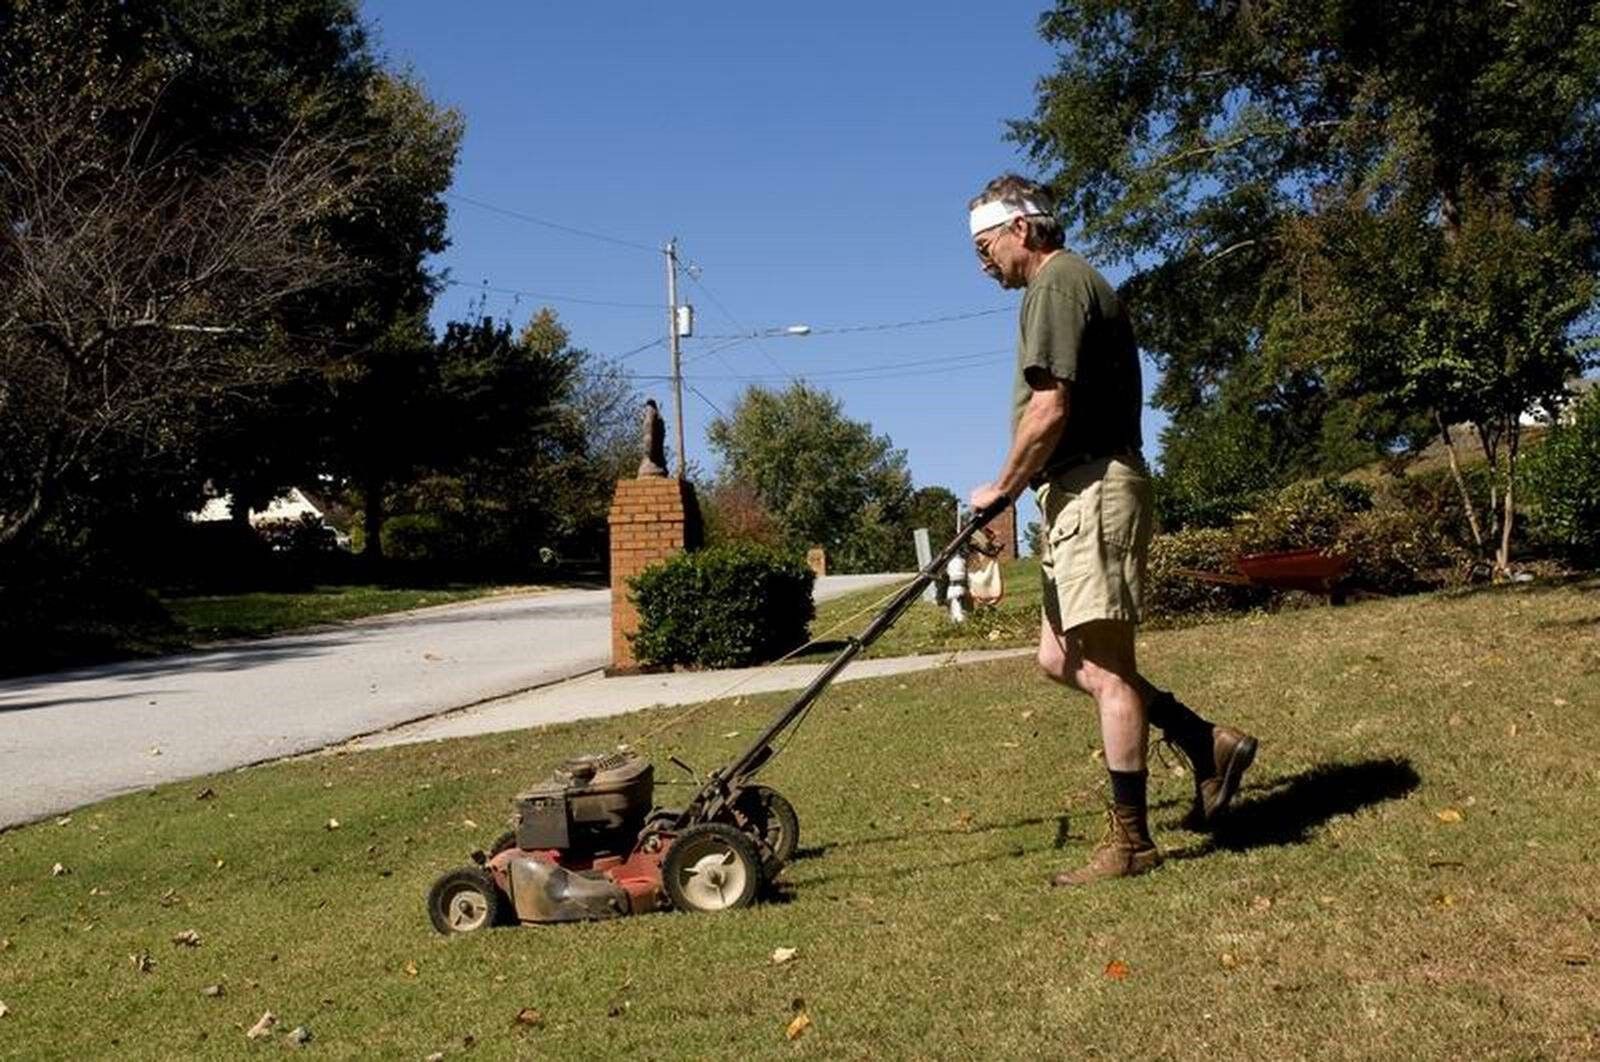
372	523
1467	503
1502	560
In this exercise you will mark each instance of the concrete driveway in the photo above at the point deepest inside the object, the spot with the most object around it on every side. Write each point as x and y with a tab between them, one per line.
70	738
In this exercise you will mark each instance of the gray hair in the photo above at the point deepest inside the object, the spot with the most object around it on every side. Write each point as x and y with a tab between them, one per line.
1044	233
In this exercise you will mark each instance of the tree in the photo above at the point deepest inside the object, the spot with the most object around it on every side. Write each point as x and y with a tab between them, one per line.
828	480
137	288
190	121
935	509
1218	147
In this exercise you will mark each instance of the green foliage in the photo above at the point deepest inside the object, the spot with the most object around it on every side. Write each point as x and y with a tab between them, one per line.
1214	466
724	606
1563	475
826	479
1172	595
1341	221
1306	515
935	509
421	539
1395	550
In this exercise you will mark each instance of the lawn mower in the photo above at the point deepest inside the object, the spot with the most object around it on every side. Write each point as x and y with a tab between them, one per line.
590	843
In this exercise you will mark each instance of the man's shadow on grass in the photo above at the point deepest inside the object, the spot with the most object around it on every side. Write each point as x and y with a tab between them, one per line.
1286	810
1279	812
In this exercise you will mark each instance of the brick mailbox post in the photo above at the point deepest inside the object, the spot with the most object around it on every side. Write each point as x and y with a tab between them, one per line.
651	518
1003	529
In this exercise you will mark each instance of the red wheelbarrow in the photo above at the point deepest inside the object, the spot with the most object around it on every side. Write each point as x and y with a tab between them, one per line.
1310	570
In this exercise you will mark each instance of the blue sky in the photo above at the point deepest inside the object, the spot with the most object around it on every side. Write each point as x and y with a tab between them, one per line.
813	160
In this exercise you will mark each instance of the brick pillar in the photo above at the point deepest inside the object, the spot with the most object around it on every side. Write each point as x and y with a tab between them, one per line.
817	561
1003	529
650	519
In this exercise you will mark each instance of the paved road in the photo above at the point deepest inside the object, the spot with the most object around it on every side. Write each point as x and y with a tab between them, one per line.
74	737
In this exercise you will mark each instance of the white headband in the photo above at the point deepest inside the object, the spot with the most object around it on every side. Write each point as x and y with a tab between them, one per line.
999	211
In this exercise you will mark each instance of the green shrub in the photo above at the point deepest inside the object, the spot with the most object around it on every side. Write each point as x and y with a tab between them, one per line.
1562	477
1305	515
1395	550
422	539
729	605
1171	595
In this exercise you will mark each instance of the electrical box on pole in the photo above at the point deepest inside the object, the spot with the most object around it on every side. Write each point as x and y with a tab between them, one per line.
685	321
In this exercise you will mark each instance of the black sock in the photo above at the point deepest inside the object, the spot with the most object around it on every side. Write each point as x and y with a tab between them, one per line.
1177	721
1128	787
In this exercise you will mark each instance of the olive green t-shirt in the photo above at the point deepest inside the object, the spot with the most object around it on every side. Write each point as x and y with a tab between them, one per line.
1073	327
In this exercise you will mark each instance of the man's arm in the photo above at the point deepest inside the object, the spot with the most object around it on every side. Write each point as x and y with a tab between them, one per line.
1039	429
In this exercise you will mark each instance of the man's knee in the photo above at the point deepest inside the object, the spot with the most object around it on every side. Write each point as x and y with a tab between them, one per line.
1054	658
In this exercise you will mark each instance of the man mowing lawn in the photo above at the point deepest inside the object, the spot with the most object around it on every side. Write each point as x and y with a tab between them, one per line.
1076	442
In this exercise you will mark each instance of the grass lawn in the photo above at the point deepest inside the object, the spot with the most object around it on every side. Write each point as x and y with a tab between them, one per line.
1409	873
926	628
256	615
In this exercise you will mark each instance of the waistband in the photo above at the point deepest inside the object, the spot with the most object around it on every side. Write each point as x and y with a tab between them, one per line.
1070	461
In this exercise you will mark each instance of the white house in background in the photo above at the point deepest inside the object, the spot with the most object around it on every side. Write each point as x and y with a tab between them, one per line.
288	508
1576	389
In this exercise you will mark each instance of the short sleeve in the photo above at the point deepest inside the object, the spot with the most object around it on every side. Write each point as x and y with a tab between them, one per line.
1054	319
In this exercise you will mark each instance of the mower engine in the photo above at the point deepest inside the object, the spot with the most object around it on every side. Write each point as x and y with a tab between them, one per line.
589	845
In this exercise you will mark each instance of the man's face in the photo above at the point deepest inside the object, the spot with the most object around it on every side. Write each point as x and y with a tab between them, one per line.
1000	254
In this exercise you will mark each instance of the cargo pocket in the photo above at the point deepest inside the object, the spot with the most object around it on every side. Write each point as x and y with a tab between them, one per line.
1069	552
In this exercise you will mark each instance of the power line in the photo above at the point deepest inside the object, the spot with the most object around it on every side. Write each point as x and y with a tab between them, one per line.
706	400
891	370
885	327
602	237
553	298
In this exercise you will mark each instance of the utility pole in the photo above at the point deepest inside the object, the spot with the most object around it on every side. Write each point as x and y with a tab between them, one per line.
671	251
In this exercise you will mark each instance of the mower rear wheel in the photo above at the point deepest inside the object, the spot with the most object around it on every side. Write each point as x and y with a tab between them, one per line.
464	901
711	866
773	821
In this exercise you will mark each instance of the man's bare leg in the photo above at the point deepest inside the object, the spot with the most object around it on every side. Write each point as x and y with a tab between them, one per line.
1218	755
1098	658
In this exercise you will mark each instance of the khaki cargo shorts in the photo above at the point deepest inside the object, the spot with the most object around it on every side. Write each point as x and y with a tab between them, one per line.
1098	517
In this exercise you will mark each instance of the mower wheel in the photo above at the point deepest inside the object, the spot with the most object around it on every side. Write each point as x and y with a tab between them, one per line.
711	866
772	821
464	901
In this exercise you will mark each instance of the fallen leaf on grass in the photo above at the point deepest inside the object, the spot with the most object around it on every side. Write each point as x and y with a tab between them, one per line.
262	1027
169	898
1559	702
1444	899
299	1035
469	824
964	820
65	820
155	750
213	991
797	1028
1229	961
731	734
783	955
437	1056
58	870
206	794
189	938
1009	745
333	824
1117	970
141	961
5	943
1261	903
4	1010
411	968
1448	815
530	1017
1574	957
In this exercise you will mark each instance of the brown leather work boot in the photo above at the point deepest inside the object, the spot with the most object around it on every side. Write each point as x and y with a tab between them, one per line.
1216	781
1126	851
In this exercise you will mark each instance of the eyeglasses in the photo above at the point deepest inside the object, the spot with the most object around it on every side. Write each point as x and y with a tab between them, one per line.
982	245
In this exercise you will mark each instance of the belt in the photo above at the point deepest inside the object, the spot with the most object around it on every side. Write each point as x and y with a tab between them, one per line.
1061	464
